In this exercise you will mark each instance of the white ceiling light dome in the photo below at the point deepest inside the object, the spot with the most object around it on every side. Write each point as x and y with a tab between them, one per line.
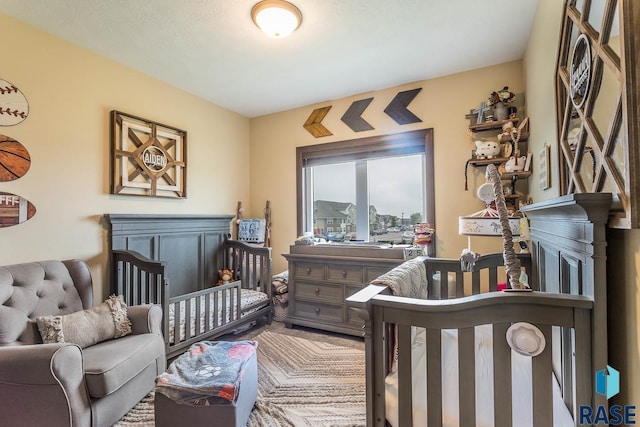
276	18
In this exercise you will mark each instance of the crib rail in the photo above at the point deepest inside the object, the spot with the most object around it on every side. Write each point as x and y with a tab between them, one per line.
211	312
498	309
137	278
486	271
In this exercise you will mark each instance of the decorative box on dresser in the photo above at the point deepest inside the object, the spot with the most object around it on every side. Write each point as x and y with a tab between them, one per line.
322	276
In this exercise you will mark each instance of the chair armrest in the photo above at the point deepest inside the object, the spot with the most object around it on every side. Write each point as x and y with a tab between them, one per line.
145	319
43	384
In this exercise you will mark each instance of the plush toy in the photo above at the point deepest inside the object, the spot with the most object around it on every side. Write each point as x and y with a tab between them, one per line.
487	149
515	164
225	276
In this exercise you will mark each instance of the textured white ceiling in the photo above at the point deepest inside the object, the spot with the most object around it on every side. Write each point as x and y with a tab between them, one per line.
211	48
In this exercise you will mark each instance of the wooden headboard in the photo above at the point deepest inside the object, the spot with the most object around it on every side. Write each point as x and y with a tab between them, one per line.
568	252
191	245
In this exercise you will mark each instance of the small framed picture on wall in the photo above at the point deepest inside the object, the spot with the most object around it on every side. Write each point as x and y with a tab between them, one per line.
544	173
527	163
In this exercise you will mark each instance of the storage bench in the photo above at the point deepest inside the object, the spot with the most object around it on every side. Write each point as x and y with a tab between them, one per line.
223	412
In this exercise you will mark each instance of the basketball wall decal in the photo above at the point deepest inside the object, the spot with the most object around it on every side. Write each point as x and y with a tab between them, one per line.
15	160
14	107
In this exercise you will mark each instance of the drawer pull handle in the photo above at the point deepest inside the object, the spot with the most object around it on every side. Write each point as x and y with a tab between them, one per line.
344	274
317	291
317	309
308	270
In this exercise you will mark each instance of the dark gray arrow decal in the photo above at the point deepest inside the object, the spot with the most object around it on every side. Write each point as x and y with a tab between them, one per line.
397	108
352	116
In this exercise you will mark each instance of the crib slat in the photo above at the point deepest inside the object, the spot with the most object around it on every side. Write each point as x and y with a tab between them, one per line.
238	302
434	377
187	319
224	295
139	294
444	284
502	405
404	376
542	388
493	279
459	284
207	313
467	377
176	323
475	282
381	367
198	316
216	308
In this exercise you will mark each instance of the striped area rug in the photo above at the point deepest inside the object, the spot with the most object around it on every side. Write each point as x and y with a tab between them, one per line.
301	382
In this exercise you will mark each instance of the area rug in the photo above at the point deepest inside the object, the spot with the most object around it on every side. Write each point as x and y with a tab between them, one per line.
301	382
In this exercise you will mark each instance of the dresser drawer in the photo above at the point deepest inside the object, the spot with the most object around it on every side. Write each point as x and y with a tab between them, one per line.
319	291
302	270
373	273
345	273
319	311
354	319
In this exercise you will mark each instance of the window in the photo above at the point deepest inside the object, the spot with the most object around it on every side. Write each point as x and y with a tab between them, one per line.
391	176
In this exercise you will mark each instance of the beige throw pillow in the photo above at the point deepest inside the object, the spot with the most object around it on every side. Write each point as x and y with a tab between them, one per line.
103	322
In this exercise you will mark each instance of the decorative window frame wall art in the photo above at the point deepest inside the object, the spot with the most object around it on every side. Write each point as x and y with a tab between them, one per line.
597	101
147	158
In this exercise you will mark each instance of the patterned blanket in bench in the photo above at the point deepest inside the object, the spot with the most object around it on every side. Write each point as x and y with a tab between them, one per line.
208	373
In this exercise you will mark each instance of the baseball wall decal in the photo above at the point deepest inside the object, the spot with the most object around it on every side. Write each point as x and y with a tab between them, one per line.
14	107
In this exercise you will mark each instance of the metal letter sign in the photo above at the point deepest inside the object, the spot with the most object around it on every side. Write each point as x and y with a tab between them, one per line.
580	71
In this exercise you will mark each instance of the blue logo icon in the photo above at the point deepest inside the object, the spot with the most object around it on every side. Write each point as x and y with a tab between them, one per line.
608	382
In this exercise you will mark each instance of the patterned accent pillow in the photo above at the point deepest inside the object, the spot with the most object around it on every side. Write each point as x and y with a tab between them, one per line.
85	328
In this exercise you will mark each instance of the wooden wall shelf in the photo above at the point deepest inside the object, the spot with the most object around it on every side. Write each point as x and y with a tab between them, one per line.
480	127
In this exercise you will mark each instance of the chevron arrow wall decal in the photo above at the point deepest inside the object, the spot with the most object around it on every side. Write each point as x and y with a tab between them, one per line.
397	108
352	116
313	125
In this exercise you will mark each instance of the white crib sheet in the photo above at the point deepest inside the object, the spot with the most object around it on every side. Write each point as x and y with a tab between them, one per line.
521	373
248	298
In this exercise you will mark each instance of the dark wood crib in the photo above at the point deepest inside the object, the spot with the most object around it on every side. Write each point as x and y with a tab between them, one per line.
473	350
173	261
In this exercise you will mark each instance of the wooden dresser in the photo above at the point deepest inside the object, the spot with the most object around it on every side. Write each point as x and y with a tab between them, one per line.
322	276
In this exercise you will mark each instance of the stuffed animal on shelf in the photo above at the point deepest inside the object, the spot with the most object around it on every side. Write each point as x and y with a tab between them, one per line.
225	276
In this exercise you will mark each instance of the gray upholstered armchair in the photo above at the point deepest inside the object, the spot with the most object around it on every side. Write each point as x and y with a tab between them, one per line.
63	384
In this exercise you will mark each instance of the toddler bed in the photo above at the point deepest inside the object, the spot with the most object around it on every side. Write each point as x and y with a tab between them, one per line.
488	358
173	261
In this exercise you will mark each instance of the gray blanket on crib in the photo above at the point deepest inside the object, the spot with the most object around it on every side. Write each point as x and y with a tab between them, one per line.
409	279
208	373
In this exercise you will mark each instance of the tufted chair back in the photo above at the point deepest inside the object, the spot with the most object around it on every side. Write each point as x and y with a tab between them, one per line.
37	289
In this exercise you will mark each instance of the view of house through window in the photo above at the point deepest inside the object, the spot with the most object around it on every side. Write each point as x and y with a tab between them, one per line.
378	199
371	189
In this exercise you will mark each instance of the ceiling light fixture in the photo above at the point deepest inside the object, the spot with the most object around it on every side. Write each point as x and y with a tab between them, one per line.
277	18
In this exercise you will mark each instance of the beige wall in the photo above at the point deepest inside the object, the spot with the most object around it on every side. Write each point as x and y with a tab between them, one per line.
70	92
441	104
623	266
